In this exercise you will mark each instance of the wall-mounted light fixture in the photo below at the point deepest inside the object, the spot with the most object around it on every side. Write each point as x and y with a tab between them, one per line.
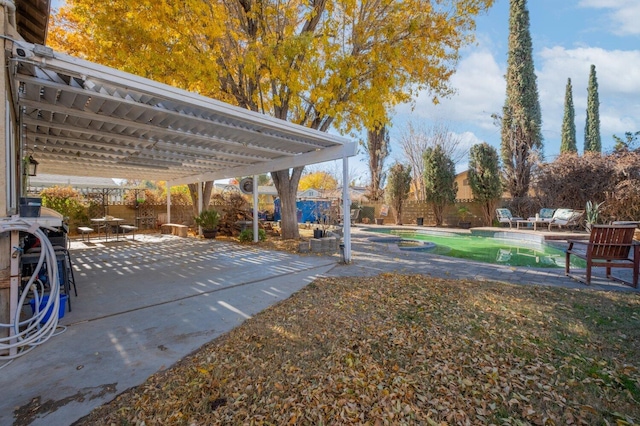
32	166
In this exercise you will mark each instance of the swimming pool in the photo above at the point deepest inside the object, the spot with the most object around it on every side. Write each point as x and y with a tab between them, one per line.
506	249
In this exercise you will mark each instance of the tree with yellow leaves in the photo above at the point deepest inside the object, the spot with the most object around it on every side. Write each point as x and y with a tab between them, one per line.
317	63
322	181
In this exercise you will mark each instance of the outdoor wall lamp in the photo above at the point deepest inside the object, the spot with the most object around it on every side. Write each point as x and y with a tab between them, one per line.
32	166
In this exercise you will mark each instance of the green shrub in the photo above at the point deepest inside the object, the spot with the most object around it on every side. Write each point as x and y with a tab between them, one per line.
68	202
246	236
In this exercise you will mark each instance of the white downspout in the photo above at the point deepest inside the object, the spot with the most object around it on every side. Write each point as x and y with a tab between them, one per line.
255	208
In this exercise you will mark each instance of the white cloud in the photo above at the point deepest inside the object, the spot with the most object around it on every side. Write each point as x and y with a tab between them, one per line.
480	88
623	14
467	140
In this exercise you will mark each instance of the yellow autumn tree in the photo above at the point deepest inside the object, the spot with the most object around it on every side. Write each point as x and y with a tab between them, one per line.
318	63
321	181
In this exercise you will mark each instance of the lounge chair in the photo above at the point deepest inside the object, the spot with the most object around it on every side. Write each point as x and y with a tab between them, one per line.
505	216
609	246
545	215
566	218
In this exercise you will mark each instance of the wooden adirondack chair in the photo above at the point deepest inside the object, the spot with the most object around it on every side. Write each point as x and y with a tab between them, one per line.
609	246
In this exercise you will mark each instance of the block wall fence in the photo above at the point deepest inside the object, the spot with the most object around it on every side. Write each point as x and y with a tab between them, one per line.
412	210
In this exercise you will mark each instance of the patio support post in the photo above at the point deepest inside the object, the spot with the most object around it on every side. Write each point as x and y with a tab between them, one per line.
255	208
200	184
346	209
168	203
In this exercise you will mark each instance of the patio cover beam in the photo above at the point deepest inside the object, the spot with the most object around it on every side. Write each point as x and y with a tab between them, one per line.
327	154
136	124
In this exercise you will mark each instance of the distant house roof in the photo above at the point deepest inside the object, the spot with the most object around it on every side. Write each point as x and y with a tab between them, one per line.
311	193
43	180
356	193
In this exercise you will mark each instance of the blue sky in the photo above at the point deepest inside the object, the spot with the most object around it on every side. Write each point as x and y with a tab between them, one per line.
568	36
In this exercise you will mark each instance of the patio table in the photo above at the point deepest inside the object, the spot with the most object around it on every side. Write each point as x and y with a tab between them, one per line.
533	221
107	222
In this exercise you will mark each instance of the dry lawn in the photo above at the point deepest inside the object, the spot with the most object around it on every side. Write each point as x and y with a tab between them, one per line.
398	349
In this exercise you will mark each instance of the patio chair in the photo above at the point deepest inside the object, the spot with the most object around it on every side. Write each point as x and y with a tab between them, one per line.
505	216
609	246
566	218
544	215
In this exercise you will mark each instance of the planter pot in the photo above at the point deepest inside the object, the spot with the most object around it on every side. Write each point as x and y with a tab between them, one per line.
379	221
464	225
420	221
209	233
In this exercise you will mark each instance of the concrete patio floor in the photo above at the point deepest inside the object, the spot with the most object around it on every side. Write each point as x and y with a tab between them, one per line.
143	305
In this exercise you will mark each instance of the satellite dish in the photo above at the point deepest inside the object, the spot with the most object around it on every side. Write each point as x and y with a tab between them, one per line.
246	185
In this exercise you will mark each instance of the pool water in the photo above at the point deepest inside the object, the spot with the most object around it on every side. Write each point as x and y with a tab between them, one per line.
500	251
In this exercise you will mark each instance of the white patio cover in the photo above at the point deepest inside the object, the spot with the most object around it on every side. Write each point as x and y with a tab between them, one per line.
81	118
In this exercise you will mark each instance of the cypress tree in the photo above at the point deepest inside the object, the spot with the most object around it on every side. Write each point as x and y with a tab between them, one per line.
440	184
398	187
484	178
592	141
568	142
521	117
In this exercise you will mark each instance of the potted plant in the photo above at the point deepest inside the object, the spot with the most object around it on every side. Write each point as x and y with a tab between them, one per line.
463	214
208	221
592	212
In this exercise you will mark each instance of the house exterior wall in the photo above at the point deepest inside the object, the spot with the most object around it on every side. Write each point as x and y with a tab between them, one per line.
5	241
464	189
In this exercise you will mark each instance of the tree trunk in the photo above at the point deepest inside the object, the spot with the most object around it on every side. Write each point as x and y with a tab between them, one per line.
438	213
206	195
398	209
287	186
489	211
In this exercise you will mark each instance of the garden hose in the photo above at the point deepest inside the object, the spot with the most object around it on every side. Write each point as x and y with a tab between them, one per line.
34	331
